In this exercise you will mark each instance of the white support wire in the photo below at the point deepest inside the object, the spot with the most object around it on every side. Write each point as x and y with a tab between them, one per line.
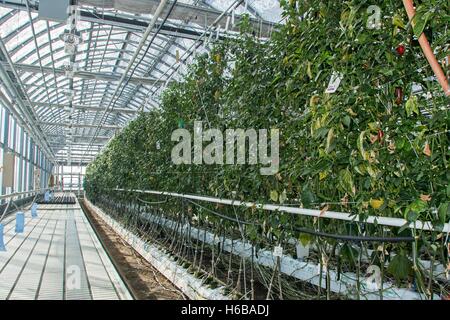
197	43
186	54
147	32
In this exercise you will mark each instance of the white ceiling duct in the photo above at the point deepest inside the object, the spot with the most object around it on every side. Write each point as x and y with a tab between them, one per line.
184	12
134	6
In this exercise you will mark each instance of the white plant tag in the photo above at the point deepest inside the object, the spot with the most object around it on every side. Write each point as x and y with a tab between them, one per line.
218	32
324	265
373	282
334	83
227	24
302	251
416	88
277	251
158	145
324	269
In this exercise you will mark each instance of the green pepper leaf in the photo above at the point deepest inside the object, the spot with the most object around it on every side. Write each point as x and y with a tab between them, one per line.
412	105
305	239
400	267
444	212
420	21
274	195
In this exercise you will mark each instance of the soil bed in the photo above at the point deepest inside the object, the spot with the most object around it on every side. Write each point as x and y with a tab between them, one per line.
143	280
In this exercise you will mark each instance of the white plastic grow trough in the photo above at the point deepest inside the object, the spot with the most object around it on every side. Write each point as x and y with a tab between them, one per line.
439	271
347	282
305	271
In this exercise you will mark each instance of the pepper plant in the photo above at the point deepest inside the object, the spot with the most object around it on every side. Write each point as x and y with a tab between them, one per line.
374	147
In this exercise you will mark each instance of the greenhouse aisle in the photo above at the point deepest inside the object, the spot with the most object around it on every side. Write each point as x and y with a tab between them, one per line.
60	241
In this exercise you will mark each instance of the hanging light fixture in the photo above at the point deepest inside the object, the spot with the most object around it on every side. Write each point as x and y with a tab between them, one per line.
71	37
70	94
71	41
70	68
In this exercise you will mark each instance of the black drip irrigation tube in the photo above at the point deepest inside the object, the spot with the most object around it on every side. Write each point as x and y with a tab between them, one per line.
347	238
351	238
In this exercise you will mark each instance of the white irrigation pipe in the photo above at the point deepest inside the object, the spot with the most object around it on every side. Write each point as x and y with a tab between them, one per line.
385	221
149	29
187	53
144	37
196	43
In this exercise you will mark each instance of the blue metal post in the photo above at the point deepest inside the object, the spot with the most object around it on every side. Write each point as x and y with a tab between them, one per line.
20	222
2	241
34	210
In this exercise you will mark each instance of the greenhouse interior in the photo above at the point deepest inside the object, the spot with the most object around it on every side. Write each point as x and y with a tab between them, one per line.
232	150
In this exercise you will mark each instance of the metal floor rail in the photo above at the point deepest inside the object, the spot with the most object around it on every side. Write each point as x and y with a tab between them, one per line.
57	257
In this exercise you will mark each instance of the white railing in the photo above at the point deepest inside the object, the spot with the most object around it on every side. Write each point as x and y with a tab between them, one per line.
14	195
385	221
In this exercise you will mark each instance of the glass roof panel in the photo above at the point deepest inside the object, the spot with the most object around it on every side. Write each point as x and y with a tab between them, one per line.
269	10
